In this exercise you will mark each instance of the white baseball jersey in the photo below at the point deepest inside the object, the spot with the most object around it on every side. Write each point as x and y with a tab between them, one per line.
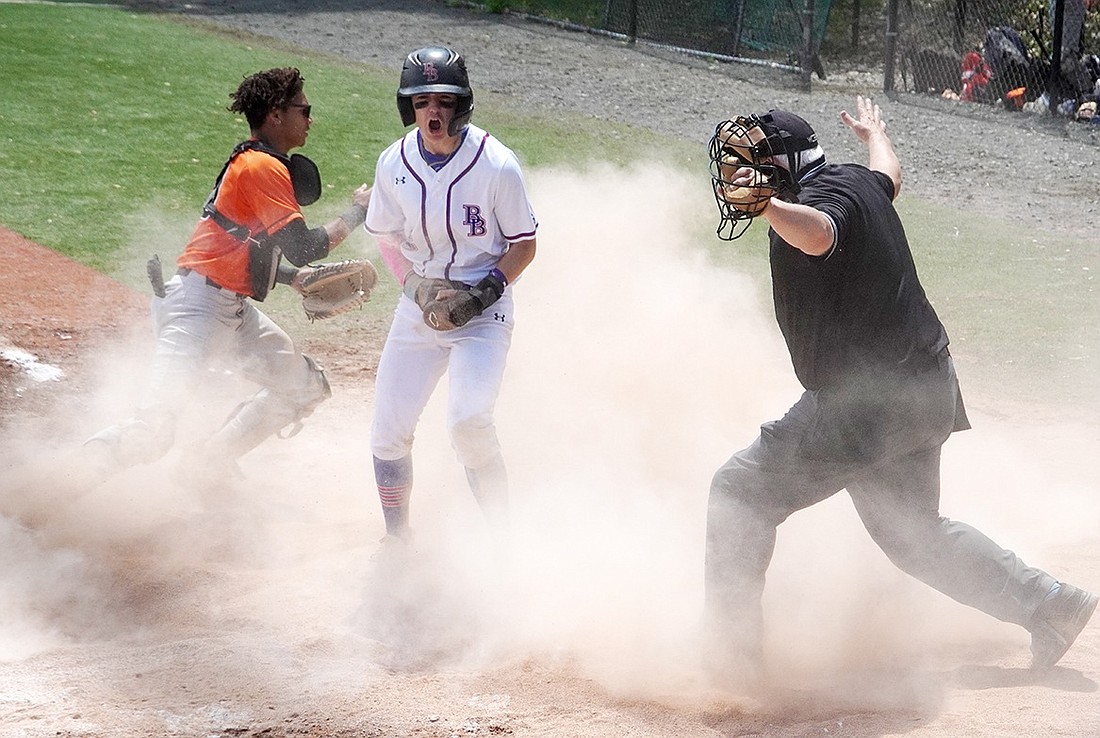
457	222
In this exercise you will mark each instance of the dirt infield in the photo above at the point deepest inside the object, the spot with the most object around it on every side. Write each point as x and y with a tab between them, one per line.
61	312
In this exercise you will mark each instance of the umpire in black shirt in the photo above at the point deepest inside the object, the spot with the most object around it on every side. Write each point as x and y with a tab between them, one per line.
880	399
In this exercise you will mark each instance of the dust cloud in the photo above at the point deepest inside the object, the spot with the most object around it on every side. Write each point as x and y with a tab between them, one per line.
638	366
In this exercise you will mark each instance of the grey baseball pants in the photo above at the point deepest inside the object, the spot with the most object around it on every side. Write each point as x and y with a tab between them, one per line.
881	442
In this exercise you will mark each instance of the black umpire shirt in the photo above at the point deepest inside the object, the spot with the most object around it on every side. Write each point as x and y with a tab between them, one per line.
859	310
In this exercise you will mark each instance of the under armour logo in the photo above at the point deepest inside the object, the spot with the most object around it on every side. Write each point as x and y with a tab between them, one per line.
500	317
399	180
431	74
474	220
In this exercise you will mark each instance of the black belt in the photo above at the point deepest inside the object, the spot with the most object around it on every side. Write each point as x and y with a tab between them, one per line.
184	271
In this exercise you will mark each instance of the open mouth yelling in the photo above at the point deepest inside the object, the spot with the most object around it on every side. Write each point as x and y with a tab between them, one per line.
435	125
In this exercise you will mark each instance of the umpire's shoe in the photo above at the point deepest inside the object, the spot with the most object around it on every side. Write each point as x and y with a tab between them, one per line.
1058	622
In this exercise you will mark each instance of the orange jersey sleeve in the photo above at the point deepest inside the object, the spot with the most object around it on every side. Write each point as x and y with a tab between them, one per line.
256	192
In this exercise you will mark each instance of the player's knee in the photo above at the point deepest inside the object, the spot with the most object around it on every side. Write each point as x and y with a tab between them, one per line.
728	483
299	406
740	496
385	443
474	439
738	480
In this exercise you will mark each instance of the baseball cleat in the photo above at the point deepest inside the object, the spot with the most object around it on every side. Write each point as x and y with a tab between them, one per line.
1057	623
393	551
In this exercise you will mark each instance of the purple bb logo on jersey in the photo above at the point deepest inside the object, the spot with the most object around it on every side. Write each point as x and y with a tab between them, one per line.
474	220
431	74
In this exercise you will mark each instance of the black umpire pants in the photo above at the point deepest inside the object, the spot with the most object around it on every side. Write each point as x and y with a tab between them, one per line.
880	440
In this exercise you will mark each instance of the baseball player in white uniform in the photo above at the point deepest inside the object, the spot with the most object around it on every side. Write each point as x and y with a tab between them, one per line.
454	224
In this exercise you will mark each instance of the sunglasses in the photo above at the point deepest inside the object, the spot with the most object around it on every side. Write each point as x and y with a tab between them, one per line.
305	108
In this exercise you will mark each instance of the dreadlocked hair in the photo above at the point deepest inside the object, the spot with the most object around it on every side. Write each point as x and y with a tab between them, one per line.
263	92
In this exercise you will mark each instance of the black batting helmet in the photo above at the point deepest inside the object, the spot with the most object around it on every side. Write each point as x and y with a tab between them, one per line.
435	69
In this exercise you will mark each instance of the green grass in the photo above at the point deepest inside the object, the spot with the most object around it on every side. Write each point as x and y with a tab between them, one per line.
109	113
114	125
1021	307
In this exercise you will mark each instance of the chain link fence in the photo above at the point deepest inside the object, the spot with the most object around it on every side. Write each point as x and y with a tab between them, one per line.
780	34
1015	54
775	30
1002	53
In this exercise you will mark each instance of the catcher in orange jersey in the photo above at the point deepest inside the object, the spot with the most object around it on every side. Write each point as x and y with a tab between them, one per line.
251	225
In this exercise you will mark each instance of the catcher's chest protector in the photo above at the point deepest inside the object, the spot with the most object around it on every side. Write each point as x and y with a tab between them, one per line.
263	258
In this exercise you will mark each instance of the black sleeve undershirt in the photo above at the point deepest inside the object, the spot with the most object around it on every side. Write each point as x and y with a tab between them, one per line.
299	244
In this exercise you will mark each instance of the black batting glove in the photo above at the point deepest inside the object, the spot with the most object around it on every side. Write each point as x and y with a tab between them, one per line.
467	305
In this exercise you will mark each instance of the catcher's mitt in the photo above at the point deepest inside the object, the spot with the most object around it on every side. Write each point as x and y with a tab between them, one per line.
332	289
